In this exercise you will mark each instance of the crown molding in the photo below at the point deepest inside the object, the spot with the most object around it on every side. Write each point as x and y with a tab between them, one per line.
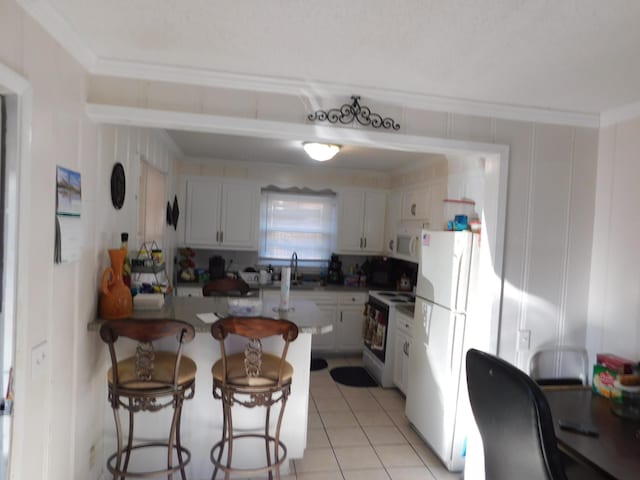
55	24
620	115
60	29
311	89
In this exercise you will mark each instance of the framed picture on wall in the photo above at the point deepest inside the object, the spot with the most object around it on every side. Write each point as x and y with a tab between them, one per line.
68	192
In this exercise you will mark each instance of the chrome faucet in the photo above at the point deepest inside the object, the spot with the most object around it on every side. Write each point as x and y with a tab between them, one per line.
294	267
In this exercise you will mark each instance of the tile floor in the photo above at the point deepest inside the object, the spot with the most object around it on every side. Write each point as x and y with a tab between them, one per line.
361	433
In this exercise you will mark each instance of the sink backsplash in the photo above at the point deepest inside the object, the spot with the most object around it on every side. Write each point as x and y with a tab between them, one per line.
238	261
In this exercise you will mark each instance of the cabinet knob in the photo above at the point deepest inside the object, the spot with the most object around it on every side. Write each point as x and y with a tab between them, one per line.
365	242
391	245
413	209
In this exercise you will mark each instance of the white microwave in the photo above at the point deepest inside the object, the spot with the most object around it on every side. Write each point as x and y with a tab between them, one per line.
406	245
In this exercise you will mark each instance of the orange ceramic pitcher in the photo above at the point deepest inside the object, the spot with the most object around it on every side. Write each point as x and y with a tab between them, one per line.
115	299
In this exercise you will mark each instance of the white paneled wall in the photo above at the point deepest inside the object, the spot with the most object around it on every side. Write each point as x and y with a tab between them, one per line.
614	301
549	227
551	192
58	414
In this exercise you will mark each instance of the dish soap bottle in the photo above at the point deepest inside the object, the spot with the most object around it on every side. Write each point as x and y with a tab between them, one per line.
126	269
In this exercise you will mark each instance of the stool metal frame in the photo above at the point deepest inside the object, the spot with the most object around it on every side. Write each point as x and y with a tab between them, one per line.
253	388
147	392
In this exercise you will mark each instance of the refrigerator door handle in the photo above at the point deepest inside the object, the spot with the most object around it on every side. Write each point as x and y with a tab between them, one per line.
427	322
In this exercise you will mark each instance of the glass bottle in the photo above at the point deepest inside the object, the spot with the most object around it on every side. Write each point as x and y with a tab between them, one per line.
126	271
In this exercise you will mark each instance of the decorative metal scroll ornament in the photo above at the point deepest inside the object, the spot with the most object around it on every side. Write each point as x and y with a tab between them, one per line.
348	113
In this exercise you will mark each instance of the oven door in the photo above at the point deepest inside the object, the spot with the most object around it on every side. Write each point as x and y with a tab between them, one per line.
377	321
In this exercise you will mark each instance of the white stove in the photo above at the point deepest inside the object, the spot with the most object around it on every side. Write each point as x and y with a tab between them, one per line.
392	297
379	337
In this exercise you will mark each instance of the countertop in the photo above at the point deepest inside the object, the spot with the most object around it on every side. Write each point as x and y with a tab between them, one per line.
303	313
304	287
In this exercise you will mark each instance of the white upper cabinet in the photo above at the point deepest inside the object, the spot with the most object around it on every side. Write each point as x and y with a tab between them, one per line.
394	205
361	216
221	214
239	216
416	204
436	216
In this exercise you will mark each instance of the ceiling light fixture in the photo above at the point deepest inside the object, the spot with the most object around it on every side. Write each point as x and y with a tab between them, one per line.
321	152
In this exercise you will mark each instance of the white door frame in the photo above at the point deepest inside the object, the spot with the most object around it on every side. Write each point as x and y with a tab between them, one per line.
19	99
496	162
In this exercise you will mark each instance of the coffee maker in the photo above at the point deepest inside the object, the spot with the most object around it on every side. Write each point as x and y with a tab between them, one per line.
334	274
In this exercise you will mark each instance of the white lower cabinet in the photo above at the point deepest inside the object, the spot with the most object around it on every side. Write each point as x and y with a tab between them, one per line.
402	347
344	311
349	322
325	342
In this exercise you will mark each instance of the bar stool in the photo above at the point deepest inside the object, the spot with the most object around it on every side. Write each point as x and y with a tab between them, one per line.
149	381
225	286
251	378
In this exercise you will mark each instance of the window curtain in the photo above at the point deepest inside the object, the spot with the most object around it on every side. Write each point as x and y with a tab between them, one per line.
301	222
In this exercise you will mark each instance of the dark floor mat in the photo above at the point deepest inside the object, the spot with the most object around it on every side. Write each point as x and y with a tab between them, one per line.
353	377
318	364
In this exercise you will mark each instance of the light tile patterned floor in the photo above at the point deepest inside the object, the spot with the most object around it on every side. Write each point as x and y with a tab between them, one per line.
361	434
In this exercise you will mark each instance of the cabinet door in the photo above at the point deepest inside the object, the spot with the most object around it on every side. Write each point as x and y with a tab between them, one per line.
349	329
327	341
400	360
375	207
392	217
350	217
415	204
438	192
202	223
239	216
405	365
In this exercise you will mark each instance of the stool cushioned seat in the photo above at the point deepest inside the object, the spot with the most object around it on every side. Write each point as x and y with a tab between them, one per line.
236	373
149	381
251	378
163	363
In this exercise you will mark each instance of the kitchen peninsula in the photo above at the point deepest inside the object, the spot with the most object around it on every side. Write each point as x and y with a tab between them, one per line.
202	417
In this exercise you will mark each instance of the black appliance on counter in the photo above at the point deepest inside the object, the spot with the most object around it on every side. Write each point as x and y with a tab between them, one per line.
334	273
380	272
216	267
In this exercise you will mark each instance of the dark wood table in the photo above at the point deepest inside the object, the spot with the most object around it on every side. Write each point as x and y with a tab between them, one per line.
615	453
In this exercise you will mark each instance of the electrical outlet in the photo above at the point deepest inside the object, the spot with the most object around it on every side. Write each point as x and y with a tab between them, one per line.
524	339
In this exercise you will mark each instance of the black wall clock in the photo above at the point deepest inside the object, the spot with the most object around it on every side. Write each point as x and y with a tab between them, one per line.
118	185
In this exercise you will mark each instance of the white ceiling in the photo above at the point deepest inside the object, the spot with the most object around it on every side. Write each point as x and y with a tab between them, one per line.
565	56
290	152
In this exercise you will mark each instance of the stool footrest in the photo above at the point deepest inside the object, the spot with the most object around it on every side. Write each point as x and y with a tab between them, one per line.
267	468
154	473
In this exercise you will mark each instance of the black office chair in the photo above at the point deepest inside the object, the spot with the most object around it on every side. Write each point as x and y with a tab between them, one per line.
514	420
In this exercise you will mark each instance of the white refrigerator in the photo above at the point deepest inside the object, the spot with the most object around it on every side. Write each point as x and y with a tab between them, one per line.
437	401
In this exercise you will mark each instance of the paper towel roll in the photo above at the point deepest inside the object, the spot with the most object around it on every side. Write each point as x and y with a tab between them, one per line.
285	286
148	301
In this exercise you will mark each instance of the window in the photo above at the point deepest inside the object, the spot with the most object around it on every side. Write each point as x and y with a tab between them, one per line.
304	223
